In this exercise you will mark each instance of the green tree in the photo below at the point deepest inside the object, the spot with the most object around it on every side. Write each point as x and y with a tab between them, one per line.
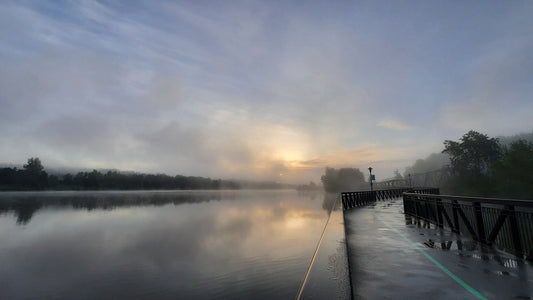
474	153
8	176
471	160
34	166
34	174
513	174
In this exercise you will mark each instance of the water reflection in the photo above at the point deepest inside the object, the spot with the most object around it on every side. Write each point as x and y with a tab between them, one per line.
23	210
157	245
25	204
465	247
330	200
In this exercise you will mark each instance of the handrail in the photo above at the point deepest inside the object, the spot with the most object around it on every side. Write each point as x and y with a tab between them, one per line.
356	199
507	223
502	201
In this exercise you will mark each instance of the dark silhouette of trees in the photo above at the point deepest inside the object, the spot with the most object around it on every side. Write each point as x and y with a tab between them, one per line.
34	166
471	160
344	179
474	154
113	180
33	177
513	173
309	187
34	174
481	167
8	176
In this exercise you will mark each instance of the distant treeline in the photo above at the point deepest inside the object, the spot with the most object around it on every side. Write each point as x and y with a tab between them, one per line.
312	186
33	177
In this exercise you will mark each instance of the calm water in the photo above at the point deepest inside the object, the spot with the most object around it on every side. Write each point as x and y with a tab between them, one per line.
97	245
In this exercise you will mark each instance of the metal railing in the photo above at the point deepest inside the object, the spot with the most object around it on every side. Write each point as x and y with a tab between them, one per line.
504	223
355	199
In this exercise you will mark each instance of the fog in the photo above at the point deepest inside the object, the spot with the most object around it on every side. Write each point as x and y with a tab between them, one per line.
258	90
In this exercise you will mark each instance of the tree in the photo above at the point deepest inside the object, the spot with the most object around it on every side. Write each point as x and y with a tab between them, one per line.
473	155
8	176
34	166
397	175
34	174
513	174
435	161
344	179
471	160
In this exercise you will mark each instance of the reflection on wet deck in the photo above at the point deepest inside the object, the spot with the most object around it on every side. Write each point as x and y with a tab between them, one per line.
395	256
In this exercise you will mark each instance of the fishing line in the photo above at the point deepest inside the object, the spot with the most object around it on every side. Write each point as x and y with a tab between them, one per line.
300	291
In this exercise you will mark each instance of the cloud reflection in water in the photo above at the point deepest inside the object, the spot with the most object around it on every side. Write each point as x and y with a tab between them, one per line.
161	245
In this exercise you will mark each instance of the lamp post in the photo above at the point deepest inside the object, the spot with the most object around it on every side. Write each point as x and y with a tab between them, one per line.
370	170
410	181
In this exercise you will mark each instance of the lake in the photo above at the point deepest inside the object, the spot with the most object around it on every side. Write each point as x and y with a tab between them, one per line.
169	245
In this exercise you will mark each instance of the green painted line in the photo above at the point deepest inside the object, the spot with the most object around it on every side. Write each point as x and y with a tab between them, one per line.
438	264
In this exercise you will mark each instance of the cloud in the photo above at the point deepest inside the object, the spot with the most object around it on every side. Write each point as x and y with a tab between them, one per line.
256	89
495	96
395	125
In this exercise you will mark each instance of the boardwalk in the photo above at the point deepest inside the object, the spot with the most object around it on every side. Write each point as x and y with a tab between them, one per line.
390	258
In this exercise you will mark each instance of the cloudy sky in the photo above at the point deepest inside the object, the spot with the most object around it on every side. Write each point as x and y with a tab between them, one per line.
258	89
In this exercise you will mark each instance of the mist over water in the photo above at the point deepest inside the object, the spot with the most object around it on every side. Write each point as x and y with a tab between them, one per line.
165	245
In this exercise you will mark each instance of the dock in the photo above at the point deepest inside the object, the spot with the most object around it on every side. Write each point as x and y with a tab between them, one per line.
394	256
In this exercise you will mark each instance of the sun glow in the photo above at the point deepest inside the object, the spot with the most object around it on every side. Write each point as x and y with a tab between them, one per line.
289	156
277	146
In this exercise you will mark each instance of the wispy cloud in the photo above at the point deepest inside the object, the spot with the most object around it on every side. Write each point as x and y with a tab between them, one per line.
259	88
395	125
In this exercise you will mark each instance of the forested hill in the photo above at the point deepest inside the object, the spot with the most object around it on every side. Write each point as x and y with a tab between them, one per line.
34	177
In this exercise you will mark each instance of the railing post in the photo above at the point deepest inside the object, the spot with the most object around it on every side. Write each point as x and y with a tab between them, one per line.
440	222
408	204
417	206
515	229
406	207
427	206
479	222
455	207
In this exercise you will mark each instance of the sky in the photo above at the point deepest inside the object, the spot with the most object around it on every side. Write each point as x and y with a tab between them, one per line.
258	90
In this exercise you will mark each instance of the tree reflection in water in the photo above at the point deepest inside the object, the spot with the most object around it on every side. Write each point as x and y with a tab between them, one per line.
25	205
164	245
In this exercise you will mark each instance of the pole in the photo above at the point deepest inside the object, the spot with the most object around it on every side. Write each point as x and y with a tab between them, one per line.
370	170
